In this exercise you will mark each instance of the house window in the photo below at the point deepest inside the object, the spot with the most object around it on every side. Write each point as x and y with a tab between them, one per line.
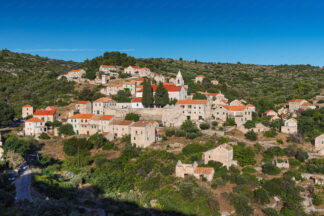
200	117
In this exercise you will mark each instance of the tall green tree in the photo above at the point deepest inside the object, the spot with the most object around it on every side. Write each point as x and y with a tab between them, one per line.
161	97
147	98
6	114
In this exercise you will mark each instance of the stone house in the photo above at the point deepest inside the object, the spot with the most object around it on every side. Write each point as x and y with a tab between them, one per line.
108	69
89	124
236	103
35	127
46	115
270	113
290	126
172	116
306	105
137	103
215	98
319	142
83	107
184	170
159	78
75	74
282	163
199	78
222	153
99	106
143	133
109	136
260	128
27	110
215	82
295	104
174	92
194	109
240	114
113	89
120	128
138	71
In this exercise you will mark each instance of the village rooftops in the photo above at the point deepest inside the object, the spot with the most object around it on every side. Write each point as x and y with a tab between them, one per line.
76	70
106	117
168	86
82	102
27	106
142	123
104	99
292	119
44	112
203	170
184	102
34	119
121	122
296	100
81	116
200	76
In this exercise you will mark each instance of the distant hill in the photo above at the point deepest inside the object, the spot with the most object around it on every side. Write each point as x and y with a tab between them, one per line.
32	79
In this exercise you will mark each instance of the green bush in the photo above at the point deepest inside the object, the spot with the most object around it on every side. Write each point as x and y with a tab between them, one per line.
66	129
249	124
251	135
74	145
170	132
261	196
301	155
230	122
204	126
180	133
132	116
280	141
249	169
271	169
317	200
214	123
222	140
270	133
244	156
108	146
44	136
270	212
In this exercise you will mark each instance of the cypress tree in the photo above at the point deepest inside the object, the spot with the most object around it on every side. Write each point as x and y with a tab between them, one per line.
161	96
147	98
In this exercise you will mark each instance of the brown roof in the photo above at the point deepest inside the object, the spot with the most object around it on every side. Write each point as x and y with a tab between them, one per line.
107	66
76	70
44	112
104	99
121	122
191	102
168	86
203	170
34	119
81	116
296	100
142	123
307	104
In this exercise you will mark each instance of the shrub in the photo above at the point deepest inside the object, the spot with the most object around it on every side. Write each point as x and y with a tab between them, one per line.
270	133
66	129
214	123
271	169
222	140
249	124
317	200
170	132
230	122
244	156
249	169
180	133
214	185
241	204
74	145
301	155
132	117
97	140
108	145
280	141
251	135
204	126
44	136
261	196
270	212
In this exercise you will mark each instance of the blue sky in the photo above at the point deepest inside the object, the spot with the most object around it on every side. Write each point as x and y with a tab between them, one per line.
249	31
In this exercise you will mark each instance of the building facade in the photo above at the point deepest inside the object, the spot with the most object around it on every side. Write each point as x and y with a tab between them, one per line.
27	110
143	133
35	127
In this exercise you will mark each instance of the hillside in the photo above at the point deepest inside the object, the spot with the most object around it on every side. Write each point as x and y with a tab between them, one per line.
32	79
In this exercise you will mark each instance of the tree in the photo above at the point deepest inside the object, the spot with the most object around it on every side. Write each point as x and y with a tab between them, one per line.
147	97
14	159
132	117
6	114
44	136
199	96
74	146
271	169
66	129
249	124
97	140
204	126
161	97
230	122
241	204
251	135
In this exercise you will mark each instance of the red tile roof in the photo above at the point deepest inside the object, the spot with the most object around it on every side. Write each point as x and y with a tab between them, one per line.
296	100
137	100
82	102
266	112
27	105
107	66
250	105
106	117
142	123
201	76
204	170
234	108
44	112
307	104
81	116
34	119
180	102
76	70
293	119
169	87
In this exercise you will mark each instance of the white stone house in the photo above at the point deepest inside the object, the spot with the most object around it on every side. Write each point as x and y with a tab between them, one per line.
290	126
194	109
120	128
222	153
137	103
83	107
295	104
46	115
99	106
108	69
27	110
282	164
143	133
138	71
319	142
75	74
199	78
240	114
35	127
184	170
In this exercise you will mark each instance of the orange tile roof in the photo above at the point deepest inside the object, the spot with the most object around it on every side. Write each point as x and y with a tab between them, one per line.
140	79
106	117
203	170
250	105
108	66
82	102
142	123
81	116
293	119
104	99
76	70
307	104
27	105
34	119
191	102
235	108
52	107
137	100
44	112
266	112
296	100
169	87
201	76
282	115
121	122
